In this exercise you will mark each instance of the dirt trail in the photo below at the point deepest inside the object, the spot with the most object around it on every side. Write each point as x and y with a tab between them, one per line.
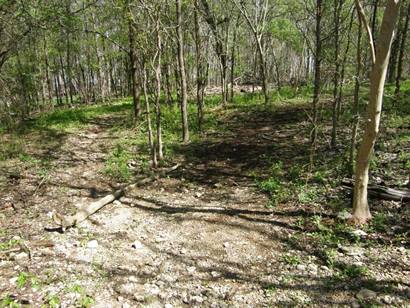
200	237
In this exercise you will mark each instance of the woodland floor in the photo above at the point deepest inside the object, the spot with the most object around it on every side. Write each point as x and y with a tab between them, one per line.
202	236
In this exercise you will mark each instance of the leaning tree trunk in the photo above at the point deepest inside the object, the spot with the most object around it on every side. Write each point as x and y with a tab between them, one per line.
361	212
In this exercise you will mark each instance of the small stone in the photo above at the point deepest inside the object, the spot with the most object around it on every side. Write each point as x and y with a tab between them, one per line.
126	305
226	244
168	306
344	215
117	203
366	294
352	250
359	233
126	288
183	251
324	268
301	267
13	280
402	249
214	274
387	299
159	239
191	269
137	245
21	256
198	194
92	244
197	299
312	267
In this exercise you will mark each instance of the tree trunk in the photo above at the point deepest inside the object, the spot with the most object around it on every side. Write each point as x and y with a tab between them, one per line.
182	74
200	78
336	16
160	153
317	82
401	53
361	212
134	68
151	143
355	108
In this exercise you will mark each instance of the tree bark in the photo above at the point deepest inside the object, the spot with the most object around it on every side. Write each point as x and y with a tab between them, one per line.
134	67
356	114
318	61
401	53
361	212
182	73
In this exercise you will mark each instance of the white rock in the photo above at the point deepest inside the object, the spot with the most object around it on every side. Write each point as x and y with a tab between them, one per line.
387	299
117	203
137	245
198	194
366	294
214	274
226	244
359	233
344	215
191	269
92	244
21	256
312	267
126	305
168	306
183	251
352	250
13	280
301	267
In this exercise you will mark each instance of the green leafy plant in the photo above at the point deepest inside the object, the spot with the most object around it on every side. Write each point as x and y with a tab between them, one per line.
116	165
291	259
8	244
22	279
9	302
52	300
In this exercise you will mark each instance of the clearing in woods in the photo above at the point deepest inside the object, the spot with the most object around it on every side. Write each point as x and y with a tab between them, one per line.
202	235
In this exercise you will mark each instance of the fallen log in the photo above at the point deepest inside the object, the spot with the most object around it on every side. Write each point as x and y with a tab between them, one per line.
68	221
381	192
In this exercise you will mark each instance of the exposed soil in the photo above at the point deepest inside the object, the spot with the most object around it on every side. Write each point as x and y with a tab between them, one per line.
202	236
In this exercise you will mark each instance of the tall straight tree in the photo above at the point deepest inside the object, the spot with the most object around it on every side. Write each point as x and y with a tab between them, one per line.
318	62
401	51
182	73
132	31
361	211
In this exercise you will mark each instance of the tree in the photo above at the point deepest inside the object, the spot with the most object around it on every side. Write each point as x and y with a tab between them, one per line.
361	211
257	25
182	73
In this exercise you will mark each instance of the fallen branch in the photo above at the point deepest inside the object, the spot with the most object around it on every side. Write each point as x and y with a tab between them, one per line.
381	192
85	211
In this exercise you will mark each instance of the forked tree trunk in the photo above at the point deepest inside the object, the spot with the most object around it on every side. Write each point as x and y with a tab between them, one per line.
182	74
361	212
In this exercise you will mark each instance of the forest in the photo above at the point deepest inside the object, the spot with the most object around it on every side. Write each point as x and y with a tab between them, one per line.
204	153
